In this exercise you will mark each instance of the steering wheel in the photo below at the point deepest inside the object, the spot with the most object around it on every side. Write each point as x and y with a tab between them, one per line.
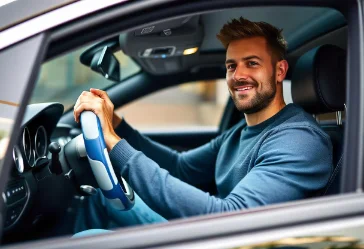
118	193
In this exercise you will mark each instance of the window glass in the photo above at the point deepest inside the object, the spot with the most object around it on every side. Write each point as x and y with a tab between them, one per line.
192	105
63	79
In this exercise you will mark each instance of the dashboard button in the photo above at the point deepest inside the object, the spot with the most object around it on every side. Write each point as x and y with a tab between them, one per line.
12	214
15	192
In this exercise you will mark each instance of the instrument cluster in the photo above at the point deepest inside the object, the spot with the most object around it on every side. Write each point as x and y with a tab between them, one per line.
32	146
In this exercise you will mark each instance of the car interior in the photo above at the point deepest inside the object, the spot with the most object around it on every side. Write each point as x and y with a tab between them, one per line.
169	52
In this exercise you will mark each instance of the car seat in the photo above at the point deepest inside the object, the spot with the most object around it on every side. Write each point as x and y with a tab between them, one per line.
318	86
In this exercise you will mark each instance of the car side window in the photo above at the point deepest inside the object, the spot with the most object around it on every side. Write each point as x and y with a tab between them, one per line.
199	105
64	78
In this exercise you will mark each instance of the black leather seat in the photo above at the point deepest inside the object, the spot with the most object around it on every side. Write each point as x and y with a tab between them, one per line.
318	85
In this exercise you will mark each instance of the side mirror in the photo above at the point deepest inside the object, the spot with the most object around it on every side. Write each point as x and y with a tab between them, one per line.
105	63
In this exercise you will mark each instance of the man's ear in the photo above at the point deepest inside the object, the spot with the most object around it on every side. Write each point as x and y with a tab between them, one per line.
281	70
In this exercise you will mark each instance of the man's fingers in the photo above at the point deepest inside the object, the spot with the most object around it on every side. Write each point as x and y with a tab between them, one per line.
85	97
100	93
103	95
78	109
90	101
74	109
85	106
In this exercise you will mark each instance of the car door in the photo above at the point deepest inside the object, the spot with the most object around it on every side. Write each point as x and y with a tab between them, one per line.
339	215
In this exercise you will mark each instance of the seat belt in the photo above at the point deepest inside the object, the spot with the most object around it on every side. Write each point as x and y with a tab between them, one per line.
333	175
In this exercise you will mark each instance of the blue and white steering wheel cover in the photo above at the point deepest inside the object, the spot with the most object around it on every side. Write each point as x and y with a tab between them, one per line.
120	195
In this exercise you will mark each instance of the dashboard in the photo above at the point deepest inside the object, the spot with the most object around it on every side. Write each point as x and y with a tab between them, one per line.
37	191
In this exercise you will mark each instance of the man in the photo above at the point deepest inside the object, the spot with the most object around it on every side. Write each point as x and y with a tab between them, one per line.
277	153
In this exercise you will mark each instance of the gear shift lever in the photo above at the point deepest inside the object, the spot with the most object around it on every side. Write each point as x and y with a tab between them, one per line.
56	167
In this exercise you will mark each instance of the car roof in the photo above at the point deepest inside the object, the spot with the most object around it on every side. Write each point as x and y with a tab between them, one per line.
15	11
45	20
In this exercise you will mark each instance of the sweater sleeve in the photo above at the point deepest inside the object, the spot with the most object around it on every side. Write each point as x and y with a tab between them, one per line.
195	167
290	165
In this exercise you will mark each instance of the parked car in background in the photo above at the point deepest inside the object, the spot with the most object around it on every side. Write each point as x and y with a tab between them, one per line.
165	71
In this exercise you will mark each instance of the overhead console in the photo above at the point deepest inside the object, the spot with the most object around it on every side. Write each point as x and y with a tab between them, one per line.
164	47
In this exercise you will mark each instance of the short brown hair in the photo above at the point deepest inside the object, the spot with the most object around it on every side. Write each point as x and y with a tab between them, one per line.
243	28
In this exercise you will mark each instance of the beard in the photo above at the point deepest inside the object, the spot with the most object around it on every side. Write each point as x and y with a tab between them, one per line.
260	100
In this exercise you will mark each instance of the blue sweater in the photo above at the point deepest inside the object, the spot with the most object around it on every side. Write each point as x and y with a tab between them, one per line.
287	157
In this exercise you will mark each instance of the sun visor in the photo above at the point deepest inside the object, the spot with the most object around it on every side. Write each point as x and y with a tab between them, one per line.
163	47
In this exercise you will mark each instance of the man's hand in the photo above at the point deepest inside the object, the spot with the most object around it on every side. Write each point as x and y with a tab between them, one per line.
99	103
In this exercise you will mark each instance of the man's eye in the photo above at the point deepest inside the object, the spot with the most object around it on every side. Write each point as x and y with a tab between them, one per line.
231	66
252	63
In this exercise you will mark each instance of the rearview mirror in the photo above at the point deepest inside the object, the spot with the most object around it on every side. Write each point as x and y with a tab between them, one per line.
105	63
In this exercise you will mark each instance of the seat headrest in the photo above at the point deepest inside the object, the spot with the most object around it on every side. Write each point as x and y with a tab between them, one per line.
318	80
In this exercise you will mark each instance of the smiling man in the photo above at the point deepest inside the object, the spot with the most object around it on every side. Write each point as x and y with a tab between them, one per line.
277	153
255	68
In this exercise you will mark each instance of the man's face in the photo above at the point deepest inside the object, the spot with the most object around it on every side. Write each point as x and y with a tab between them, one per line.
250	74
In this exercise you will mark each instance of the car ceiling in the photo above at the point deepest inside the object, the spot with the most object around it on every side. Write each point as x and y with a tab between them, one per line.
300	25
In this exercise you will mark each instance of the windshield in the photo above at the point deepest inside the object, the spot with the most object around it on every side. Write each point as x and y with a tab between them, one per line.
64	78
